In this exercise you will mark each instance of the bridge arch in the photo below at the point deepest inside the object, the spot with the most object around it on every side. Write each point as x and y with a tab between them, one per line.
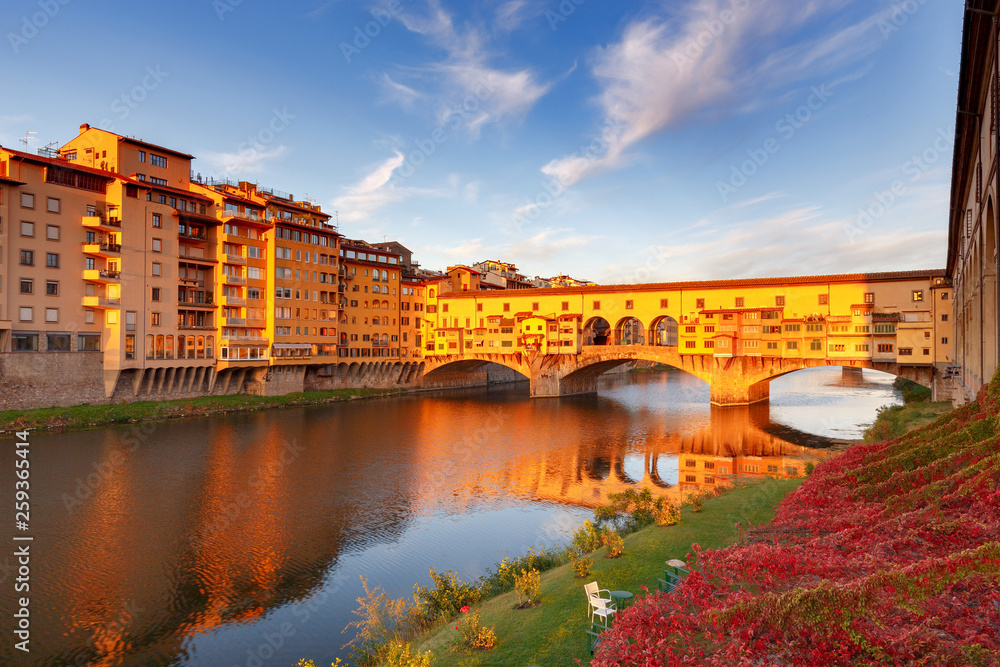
664	332
597	331
629	331
460	365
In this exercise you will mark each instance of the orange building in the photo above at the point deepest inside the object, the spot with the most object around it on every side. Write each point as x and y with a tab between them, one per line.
369	320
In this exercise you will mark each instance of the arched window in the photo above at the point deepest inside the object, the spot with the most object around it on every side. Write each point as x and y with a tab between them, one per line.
159	347
376	320
385	275
150	346
385	339
181	347
201	347
375	304
170	347
431	294
210	346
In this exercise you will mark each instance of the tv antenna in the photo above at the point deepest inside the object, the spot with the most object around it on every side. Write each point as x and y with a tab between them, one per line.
26	138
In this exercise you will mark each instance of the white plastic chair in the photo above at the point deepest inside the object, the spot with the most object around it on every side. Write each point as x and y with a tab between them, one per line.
594	593
603	608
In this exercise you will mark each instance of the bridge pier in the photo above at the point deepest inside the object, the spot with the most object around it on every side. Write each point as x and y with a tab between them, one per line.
732	391
550	385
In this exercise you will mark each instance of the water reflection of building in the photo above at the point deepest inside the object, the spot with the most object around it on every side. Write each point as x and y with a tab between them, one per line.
559	458
234	522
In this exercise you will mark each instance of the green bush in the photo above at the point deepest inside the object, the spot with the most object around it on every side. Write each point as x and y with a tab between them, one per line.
402	655
448	595
587	537
527	583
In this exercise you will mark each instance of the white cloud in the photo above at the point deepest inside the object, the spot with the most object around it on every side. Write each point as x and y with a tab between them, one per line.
549	243
378	189
248	161
512	14
469	91
393	91
700	64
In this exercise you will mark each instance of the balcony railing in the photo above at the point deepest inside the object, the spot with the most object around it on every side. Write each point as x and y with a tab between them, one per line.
204	303
236	322
196	327
101	246
245	215
235	280
235	300
194	236
247	339
235	259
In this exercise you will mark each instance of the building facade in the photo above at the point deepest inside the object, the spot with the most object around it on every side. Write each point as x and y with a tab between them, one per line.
973	258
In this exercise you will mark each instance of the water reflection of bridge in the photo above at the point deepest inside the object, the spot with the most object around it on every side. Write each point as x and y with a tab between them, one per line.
738	441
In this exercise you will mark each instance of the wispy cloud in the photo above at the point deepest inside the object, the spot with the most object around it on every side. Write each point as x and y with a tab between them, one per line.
468	90
703	64
549	243
378	189
512	14
248	161
393	91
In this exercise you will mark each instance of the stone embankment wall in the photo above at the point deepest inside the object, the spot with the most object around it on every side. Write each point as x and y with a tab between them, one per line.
63	379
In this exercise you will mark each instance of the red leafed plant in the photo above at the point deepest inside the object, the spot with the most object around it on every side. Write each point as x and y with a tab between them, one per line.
886	555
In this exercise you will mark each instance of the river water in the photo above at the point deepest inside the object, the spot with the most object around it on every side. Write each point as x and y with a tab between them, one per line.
239	540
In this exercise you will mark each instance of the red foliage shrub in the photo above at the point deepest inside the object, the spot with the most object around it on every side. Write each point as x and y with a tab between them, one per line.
886	555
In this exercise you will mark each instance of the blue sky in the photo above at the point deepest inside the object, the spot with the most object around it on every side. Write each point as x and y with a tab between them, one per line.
615	141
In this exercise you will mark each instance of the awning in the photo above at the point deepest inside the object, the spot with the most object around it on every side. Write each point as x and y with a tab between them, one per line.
293	346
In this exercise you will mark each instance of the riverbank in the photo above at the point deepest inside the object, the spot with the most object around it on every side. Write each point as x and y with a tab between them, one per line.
916	412
887	554
91	416
553	633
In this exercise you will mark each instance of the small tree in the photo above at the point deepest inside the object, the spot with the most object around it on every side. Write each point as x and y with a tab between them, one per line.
527	583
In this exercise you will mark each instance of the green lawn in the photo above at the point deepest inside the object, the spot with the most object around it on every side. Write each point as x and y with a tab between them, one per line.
83	416
553	633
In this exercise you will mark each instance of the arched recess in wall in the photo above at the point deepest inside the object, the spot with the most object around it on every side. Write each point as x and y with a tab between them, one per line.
991	347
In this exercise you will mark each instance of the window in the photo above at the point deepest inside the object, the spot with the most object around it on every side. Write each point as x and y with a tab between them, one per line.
155	294
157	160
27	200
792	345
27	286
52	232
52	260
154	319
918	295
944	341
629	304
129	320
869	297
927	351
824	299
155	269
884	347
156	220
58	342
944	296
52	205
861	347
157	245
88	316
86	342
739	302
28	229
52	288
26	314
597	305
699	304
815	345
944	318
130	347
24	342
142	156
506	308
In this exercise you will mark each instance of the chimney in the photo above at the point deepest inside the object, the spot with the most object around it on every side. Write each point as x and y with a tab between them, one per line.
84	127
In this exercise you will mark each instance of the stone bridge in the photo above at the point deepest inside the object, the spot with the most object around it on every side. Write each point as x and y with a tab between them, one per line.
732	380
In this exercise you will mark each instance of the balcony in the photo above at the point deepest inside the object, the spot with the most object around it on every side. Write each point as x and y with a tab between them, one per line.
102	249
235	259
196	305
342	287
236	322
247	339
246	215
193	235
235	280
233	300
102	303
190	282
101	221
102	276
196	327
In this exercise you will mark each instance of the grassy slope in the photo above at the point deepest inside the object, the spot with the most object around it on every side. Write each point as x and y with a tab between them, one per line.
82	416
552	634
917	412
